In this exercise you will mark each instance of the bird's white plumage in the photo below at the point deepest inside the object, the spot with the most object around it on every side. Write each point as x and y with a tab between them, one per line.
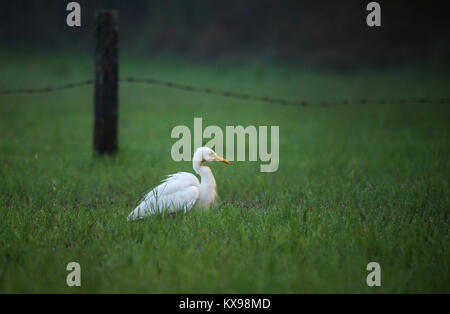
178	191
182	190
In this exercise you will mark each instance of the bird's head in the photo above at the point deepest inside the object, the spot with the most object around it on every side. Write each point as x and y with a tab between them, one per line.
207	154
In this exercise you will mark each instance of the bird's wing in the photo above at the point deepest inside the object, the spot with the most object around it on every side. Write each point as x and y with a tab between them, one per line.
178	191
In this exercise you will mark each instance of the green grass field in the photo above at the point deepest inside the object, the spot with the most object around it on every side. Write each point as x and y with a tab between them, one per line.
356	183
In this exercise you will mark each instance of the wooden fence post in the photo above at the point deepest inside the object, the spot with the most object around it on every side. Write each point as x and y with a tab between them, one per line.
106	83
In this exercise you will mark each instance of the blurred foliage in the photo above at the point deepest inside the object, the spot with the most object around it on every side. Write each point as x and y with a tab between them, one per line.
316	33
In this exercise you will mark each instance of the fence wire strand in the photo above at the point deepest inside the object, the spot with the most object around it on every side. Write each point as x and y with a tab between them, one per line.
242	96
45	89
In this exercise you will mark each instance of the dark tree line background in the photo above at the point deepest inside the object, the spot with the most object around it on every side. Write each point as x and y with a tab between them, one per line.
322	34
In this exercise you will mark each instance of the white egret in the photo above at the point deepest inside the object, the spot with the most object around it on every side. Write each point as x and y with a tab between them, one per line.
182	190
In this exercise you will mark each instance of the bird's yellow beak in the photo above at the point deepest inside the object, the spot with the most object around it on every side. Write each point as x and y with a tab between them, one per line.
222	160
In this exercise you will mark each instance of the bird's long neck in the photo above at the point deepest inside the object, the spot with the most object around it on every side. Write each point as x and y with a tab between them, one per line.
207	184
207	178
208	192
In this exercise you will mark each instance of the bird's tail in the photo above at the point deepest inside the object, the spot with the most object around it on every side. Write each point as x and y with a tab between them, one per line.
135	214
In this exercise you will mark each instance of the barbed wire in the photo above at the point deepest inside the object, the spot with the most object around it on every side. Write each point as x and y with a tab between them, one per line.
242	96
45	89
282	101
